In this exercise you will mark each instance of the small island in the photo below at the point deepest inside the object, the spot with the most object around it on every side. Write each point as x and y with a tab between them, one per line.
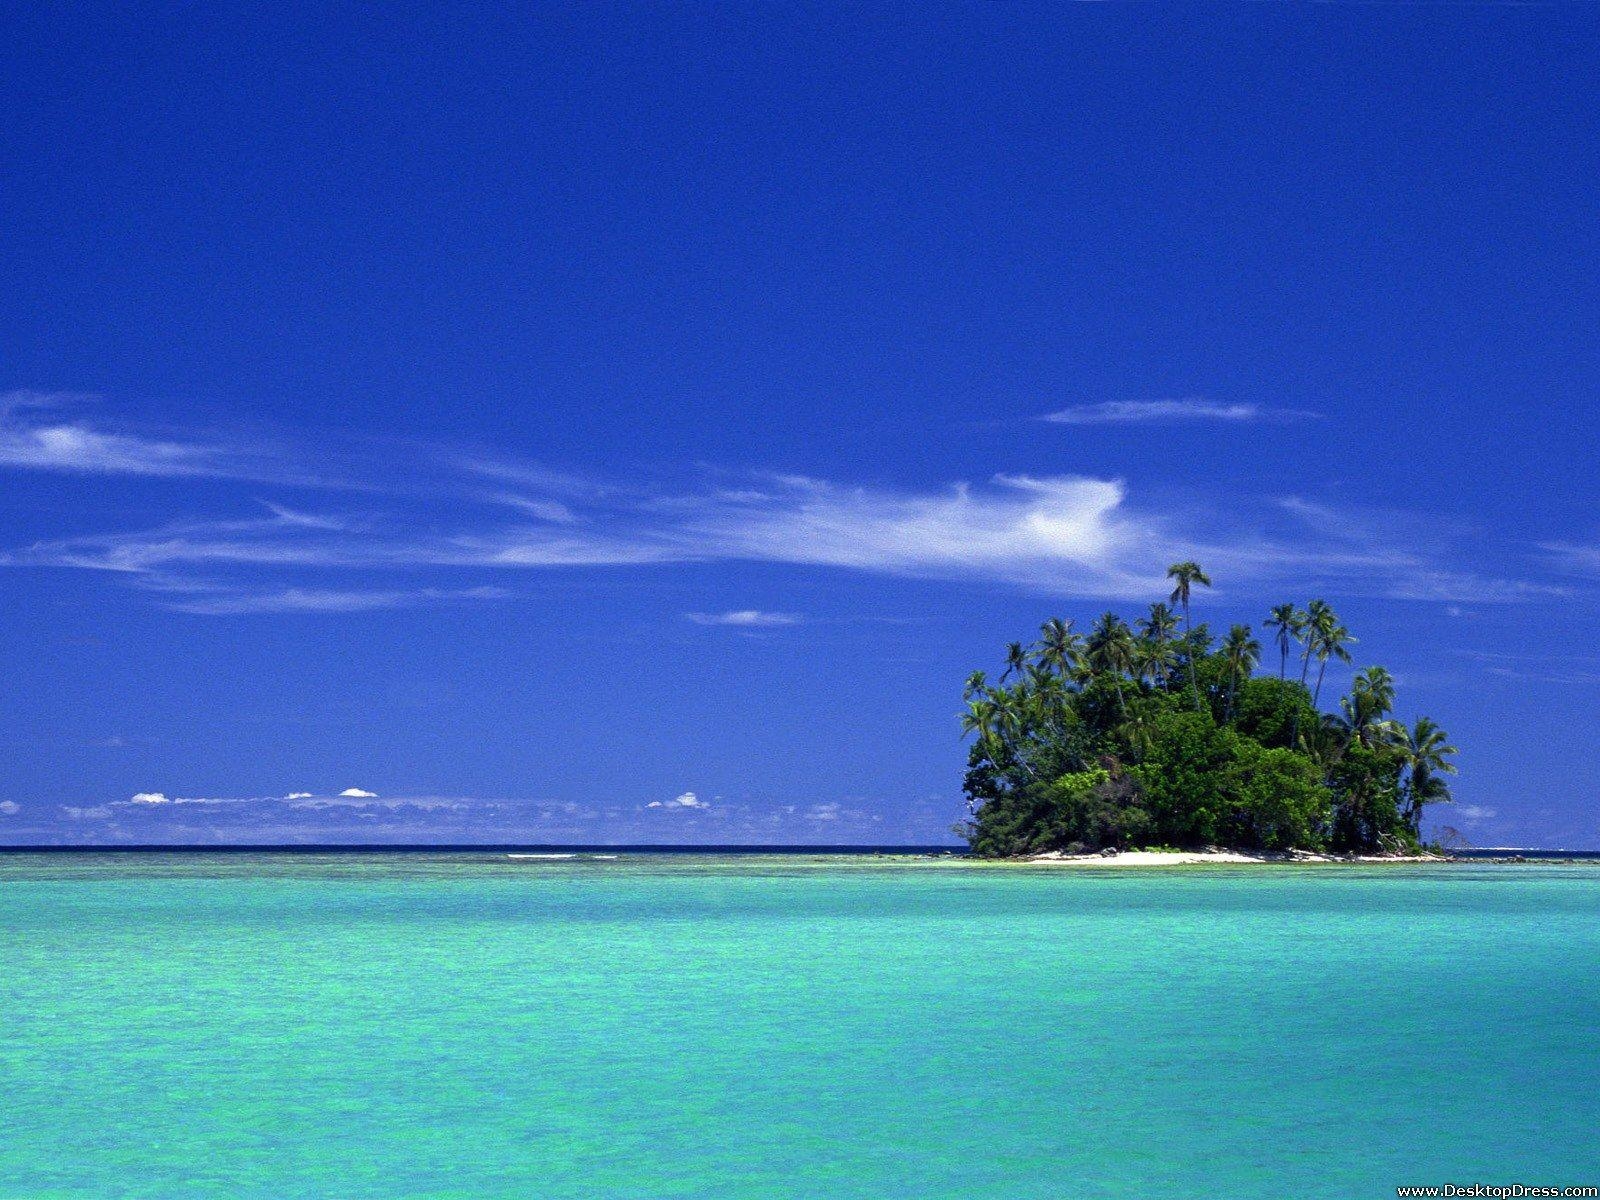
1156	736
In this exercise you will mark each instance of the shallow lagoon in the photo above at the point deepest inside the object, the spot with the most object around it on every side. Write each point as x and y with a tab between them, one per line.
465	1024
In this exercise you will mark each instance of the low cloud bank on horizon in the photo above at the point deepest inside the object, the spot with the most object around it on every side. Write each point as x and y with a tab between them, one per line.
688	818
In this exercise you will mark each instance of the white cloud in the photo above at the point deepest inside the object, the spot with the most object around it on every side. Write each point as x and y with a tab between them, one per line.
299	795
79	448
1574	678
1578	559
553	511
1471	814
543	479
158	798
1127	412
325	600
403	819
1065	533
746	617
34	436
98	812
687	800
10	807
304	520
359	794
1073	536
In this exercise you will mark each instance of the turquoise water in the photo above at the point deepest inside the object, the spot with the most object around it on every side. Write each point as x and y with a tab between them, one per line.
465	1025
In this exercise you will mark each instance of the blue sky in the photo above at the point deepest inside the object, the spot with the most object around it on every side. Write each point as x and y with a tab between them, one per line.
632	423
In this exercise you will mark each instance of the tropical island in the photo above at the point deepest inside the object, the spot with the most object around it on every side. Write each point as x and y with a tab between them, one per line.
1156	735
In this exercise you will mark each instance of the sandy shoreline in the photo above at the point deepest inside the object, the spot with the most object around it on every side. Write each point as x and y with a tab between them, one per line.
1185	858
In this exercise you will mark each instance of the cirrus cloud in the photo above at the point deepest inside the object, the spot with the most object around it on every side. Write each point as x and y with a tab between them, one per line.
748	618
1130	412
1068	535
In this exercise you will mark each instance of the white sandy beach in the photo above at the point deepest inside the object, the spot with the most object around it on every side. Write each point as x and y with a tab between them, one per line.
1184	858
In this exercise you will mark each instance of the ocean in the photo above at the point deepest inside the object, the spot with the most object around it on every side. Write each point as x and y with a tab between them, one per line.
628	1024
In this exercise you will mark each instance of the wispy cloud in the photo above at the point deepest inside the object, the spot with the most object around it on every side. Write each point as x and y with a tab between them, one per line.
80	448
1573	678
66	433
1060	535
1575	669
1129	412
747	618
1574	558
553	511
482	516
1064	533
1400	556
325	600
534	476
1068	534
42	432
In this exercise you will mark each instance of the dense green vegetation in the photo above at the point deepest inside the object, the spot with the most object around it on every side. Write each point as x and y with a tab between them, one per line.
1157	734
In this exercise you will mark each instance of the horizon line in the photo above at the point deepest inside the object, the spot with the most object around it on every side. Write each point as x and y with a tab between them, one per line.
630	847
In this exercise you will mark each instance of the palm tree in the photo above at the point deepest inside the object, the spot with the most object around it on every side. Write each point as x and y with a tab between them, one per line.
1016	659
1155	659
1011	721
1370	701
1184	576
1290	622
1243	652
1329	638
1049	694
1136	731
1059	647
1377	683
1318	615
1158	627
1326	741
980	718
977	685
983	718
1110	649
1425	752
1318	623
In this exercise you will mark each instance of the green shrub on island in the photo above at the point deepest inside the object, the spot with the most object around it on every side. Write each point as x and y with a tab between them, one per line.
1152	735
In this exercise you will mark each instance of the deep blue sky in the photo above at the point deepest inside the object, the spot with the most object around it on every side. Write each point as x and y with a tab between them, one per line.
533	419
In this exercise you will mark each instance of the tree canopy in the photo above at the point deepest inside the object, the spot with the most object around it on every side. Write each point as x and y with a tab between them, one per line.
1141	734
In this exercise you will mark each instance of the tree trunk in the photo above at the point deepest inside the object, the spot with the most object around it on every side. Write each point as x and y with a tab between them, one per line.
1188	629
